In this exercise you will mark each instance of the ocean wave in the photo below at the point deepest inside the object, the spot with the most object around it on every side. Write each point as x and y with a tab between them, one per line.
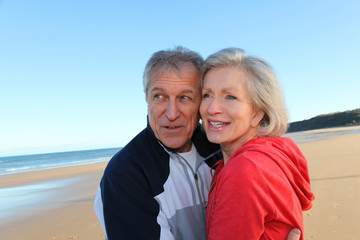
18	169
51	165
78	162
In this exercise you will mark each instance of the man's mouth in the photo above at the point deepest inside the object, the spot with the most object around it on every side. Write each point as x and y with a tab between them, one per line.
172	127
218	124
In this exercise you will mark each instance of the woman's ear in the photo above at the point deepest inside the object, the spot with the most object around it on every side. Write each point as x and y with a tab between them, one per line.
258	116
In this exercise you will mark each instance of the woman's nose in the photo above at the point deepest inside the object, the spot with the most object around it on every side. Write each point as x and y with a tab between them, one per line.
214	107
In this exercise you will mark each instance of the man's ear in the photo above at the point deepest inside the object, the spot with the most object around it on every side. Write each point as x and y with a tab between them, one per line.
258	116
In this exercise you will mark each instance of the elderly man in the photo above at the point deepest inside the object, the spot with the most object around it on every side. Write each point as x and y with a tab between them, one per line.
157	186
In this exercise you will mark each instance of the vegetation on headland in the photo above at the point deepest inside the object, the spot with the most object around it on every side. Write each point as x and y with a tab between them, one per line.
338	119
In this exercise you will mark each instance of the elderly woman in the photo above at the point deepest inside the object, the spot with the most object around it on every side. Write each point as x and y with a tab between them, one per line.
262	185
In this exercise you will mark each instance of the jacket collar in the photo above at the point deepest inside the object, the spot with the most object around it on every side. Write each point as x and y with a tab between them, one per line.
210	151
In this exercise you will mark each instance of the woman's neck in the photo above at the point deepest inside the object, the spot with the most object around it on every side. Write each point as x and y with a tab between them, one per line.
228	149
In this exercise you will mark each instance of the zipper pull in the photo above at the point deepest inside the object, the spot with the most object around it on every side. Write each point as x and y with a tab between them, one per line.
196	179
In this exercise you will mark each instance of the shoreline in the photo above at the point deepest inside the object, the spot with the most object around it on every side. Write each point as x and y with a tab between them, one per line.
62	207
298	137
29	177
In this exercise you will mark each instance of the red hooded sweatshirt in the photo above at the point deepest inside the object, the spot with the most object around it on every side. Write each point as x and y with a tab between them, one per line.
260	193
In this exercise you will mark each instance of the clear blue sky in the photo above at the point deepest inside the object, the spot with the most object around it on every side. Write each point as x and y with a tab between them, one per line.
71	71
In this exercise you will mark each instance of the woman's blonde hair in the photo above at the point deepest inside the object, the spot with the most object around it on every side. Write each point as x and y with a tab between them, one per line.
263	86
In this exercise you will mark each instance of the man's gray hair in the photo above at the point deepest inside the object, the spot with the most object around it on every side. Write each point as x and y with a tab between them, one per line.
173	59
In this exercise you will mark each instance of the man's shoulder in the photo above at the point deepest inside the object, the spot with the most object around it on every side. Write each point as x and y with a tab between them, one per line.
142	159
140	153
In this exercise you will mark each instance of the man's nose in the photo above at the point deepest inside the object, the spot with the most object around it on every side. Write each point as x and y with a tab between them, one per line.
172	110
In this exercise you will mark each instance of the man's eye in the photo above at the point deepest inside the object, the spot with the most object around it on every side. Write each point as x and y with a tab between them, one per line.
158	96
185	97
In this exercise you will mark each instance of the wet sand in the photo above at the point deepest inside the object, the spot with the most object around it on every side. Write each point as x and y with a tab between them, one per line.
59	204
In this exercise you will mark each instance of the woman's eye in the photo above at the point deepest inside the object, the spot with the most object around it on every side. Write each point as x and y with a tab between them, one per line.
206	95
231	97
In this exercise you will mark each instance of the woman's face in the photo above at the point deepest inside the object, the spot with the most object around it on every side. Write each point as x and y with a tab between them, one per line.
227	112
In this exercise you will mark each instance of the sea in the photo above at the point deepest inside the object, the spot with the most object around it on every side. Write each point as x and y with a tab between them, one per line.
26	163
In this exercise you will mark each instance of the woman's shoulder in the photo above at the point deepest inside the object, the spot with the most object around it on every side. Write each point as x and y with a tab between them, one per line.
250	158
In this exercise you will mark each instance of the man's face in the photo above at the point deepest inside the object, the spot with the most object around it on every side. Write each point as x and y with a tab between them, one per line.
173	103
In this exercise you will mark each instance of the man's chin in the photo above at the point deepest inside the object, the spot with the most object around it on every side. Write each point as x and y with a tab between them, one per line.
178	146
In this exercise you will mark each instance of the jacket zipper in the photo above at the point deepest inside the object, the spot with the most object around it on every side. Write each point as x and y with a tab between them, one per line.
196	179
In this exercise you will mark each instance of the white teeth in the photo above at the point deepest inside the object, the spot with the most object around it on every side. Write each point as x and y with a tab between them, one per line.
218	124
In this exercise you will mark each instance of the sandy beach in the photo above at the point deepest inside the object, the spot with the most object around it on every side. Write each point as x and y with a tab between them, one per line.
62	207
65	211
334	165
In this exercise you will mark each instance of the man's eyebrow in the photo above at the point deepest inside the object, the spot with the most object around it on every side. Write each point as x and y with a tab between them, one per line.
157	89
187	91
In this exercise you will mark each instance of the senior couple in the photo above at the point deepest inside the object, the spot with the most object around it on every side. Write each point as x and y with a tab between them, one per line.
231	177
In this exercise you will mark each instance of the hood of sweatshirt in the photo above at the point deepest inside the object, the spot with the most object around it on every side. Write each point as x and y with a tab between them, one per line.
286	154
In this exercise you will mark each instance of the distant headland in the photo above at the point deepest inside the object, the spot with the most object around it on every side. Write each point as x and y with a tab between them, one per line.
338	119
